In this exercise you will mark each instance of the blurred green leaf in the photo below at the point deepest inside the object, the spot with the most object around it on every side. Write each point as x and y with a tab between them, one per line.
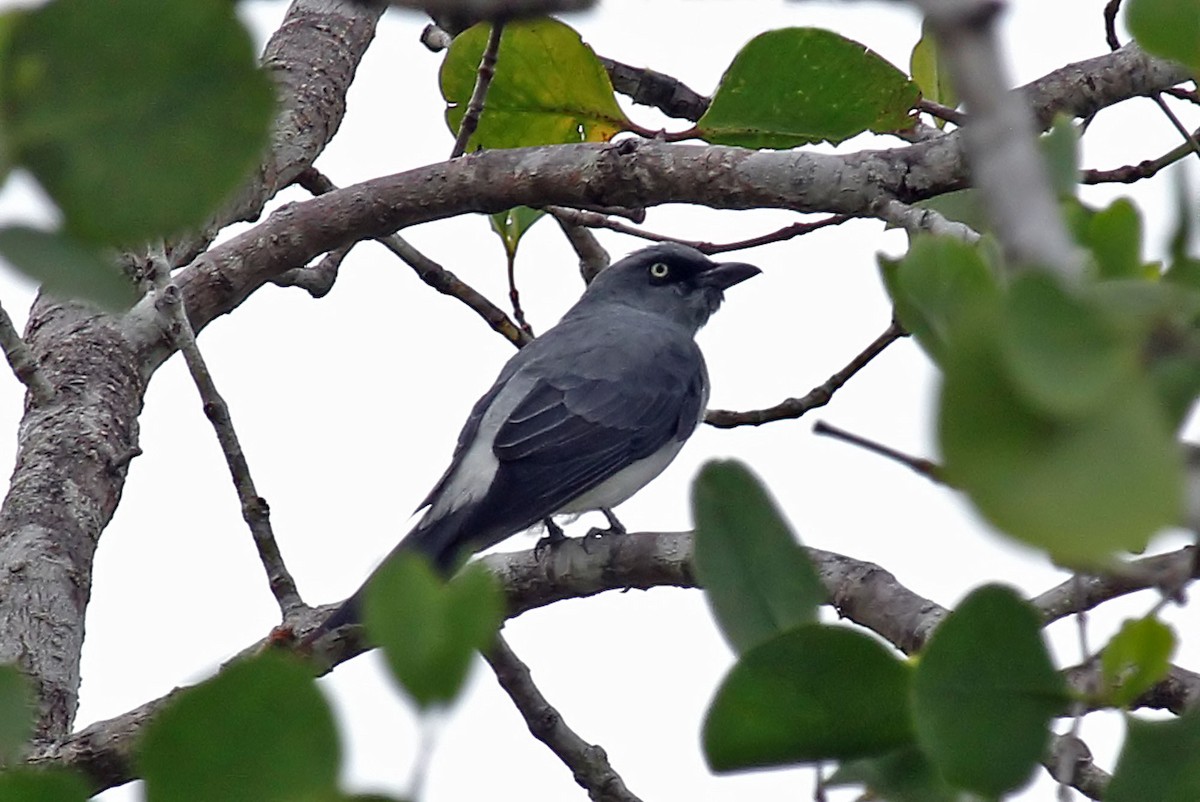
756	577
66	267
137	116
512	224
984	693
1135	659
1064	355
430	629
42	785
1060	149
812	693
1158	761
1167	28
905	775
260	731
1114	237
1080	488
549	87
930	74
943	290
796	86
16	713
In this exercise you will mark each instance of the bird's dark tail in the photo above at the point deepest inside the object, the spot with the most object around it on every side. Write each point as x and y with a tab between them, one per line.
440	541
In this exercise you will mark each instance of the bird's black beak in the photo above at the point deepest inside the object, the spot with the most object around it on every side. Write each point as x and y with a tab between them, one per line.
724	275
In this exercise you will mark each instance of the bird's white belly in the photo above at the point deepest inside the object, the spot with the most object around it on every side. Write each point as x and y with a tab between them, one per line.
625	482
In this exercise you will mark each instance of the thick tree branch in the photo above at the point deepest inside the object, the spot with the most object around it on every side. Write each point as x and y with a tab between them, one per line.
73	453
312	58
860	591
623	174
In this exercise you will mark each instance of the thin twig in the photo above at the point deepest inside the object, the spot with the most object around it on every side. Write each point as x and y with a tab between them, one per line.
927	468
817	397
649	88
581	217
1110	24
1193	145
430	271
942	112
1130	173
587	762
514	296
255	511
1067	757
447	283
21	360
483	80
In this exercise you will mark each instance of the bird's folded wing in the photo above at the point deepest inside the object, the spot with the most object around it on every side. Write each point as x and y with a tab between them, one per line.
573	431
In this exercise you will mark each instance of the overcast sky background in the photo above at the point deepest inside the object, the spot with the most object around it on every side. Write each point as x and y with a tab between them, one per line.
348	409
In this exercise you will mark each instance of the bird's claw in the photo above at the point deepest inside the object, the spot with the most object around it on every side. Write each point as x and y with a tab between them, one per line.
554	535
615	527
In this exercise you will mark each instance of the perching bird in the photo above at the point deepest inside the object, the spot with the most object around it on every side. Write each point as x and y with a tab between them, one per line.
583	416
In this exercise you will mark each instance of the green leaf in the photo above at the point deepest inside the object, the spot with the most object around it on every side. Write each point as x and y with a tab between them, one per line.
512	224
67	267
1158	761
1060	149
929	73
16	714
1115	238
985	691
1065	357
1080	488
1167	28
549	87
42	785
429	629
260	731
1135	659
796	86
812	693
137	116
756	577
905	775
943	290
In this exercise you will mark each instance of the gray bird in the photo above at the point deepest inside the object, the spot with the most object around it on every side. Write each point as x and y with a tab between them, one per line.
583	416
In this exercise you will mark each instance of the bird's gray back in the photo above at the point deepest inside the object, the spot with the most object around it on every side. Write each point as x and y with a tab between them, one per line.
602	390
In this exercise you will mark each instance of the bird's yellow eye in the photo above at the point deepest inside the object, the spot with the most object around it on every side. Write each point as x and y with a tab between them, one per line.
659	270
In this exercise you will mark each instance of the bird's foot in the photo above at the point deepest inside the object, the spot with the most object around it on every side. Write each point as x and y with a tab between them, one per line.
554	536
615	527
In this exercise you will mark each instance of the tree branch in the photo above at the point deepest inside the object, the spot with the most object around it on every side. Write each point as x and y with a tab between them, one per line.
255	511
483	80
819	396
22	362
587	762
628	174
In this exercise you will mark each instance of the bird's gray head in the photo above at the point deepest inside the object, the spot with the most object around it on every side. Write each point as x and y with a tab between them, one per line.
669	279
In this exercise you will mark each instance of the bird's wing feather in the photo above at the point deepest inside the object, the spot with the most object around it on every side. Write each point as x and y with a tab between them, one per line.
576	428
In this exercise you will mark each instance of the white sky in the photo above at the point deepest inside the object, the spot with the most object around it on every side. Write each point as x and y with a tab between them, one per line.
348	409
